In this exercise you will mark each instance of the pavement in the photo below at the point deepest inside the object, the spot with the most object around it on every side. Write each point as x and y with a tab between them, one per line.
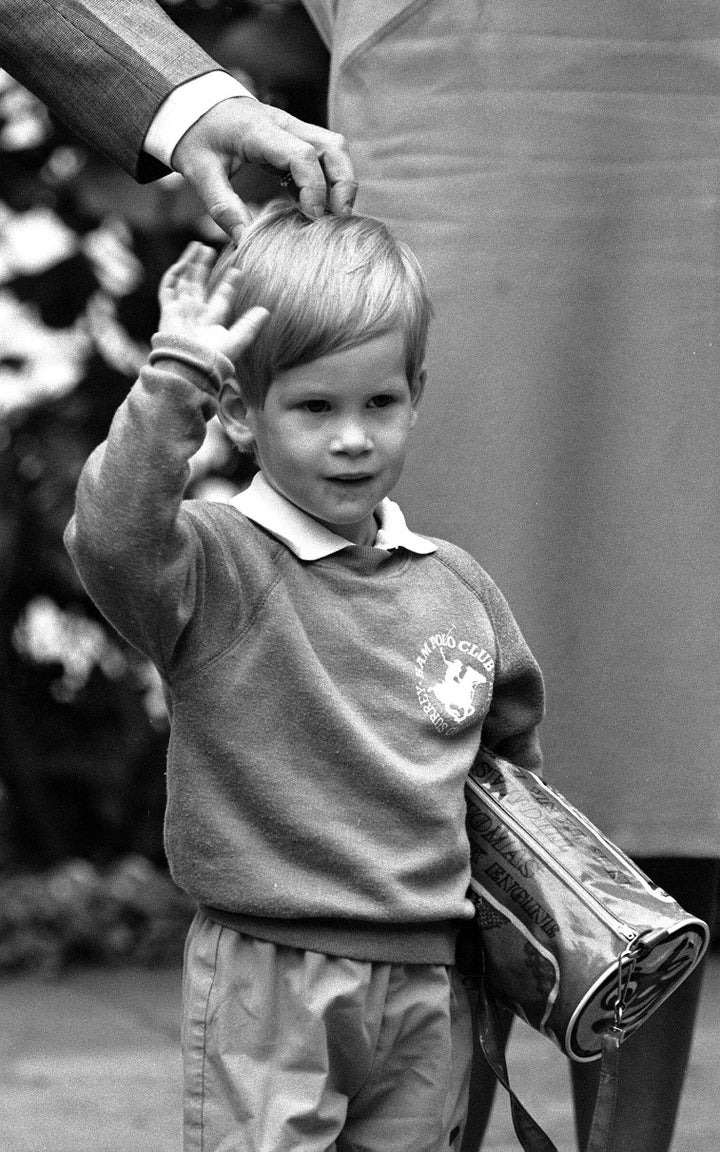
90	1063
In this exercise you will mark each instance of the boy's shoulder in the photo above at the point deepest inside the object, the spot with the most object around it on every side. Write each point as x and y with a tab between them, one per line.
222	532
472	574
222	519
462	564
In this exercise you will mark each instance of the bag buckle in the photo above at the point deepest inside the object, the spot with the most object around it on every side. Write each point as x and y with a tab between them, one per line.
627	962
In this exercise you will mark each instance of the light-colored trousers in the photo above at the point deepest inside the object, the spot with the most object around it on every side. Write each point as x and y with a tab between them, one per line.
293	1051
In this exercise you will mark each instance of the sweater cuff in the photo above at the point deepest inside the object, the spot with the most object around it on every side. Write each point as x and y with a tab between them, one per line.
215	366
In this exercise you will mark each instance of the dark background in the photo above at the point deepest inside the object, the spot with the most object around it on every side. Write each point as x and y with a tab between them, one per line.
82	725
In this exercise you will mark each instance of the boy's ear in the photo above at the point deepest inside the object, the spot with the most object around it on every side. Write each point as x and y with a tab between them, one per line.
234	415
416	390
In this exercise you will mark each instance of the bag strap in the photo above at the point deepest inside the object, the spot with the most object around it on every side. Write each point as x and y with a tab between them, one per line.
603	1121
531	1136
528	1131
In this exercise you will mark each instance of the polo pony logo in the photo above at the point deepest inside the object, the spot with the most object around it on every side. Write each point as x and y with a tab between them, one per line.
457	691
453	680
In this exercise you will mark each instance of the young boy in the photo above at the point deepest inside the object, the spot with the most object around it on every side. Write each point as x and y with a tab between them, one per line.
330	676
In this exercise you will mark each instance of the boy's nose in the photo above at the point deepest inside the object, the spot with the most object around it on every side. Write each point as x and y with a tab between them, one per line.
352	437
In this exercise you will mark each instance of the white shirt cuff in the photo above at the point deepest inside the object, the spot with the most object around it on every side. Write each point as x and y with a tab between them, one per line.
184	106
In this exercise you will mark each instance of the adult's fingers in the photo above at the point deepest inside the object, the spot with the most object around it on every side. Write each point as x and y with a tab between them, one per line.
342	197
319	163
242	130
208	175
339	176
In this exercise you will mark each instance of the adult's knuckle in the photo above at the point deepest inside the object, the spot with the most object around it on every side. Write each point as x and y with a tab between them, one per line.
306	152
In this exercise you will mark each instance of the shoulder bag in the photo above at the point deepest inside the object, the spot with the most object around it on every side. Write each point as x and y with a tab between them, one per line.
574	937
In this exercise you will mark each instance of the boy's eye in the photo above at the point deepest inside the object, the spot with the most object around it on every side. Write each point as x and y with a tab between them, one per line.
315	406
383	400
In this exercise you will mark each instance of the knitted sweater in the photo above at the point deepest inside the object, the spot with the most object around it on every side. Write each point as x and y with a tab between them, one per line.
323	714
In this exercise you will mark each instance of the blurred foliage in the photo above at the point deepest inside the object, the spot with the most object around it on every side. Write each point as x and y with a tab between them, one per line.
126	913
83	730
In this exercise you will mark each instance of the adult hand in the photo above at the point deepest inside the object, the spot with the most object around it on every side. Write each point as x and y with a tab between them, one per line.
242	130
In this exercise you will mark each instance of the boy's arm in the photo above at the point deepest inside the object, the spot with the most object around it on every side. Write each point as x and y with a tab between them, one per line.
134	547
518	701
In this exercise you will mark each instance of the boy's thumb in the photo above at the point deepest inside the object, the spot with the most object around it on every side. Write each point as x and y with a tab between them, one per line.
249	324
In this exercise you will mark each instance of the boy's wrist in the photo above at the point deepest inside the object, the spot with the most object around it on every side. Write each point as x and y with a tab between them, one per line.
214	366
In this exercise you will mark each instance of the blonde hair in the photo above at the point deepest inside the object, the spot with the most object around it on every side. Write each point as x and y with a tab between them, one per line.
329	284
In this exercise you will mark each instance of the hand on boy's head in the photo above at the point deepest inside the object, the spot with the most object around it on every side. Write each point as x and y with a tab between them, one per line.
188	309
242	130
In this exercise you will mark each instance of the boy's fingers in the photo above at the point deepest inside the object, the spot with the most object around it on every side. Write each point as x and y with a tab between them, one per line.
228	282
221	298
194	255
244	330
196	262
189	274
251	321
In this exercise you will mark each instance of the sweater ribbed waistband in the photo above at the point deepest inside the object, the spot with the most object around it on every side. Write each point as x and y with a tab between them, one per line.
385	943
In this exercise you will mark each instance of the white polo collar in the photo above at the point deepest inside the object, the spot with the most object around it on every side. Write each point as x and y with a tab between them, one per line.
310	540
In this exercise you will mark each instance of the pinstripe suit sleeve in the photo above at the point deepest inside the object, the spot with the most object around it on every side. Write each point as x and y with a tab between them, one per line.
102	66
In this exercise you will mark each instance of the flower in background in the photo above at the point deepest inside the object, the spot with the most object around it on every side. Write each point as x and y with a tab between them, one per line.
32	241
111	339
45	633
25	120
37	363
119	273
109	249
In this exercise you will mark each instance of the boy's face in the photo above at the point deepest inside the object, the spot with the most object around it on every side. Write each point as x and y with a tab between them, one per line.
333	433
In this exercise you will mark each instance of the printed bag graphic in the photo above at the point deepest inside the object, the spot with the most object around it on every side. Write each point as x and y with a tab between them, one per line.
568	922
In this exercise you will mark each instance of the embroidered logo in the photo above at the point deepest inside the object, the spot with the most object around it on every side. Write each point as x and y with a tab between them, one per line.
453	680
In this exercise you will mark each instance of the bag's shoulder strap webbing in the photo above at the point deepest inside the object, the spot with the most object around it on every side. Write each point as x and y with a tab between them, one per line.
603	1122
528	1131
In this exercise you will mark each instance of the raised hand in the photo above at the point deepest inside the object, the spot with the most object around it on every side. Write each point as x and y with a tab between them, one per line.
188	309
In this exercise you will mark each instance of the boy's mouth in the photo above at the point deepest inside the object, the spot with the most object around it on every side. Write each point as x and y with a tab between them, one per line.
351	478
